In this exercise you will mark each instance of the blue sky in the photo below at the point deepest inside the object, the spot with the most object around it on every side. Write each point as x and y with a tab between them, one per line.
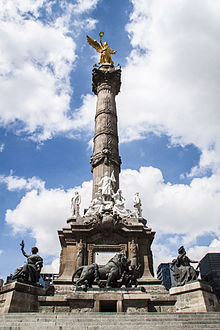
168	112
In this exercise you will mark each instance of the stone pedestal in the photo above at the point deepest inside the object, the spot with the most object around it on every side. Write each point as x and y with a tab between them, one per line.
135	300
96	239
18	297
195	297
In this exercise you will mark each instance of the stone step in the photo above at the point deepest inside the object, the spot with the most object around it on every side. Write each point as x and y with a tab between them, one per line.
16	323
39	316
110	321
125	326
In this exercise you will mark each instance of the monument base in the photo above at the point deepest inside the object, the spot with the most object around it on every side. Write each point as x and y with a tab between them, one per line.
17	297
151	298
195	297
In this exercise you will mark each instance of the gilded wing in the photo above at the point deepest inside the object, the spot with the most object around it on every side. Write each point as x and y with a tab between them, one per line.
111	51
95	44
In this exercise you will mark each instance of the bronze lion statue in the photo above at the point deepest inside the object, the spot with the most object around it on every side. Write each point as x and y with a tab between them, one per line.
111	272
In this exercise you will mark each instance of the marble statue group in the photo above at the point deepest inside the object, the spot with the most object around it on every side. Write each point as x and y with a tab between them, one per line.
107	201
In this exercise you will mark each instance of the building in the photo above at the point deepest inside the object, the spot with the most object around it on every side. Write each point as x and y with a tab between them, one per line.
165	274
210	271
48	279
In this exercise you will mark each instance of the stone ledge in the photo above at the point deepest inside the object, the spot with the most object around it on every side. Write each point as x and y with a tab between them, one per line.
23	287
190	287
17	297
195	297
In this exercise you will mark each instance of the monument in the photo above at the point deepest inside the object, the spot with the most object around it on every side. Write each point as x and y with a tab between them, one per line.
192	295
107	227
20	294
106	260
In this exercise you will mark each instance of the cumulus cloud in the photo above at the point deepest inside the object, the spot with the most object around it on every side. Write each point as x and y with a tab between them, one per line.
52	268
199	251
190	210
43	212
17	183
37	58
185	212
2	147
82	6
172	75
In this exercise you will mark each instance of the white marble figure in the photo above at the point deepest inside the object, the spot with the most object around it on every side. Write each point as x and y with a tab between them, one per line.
96	205
108	206
107	185
137	205
75	204
119	207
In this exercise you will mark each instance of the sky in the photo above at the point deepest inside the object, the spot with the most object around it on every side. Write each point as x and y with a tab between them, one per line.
168	117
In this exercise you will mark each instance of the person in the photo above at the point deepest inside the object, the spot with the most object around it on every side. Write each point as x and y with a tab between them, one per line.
119	207
96	205
133	252
183	271
29	272
80	254
137	205
106	184
130	277
75	204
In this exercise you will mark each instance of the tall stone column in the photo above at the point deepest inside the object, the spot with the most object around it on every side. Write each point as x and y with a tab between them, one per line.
106	85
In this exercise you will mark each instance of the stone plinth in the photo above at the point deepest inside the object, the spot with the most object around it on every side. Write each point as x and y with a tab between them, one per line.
195	297
135	300
18	297
94	238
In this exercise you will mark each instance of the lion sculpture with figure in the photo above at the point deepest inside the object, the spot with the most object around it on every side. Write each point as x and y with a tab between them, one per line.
111	272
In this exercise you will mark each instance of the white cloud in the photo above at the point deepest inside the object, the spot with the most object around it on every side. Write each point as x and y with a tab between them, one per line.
172	75
52	268
82	6
185	211
36	61
190	210
44	212
17	183
1	251
199	251
162	254
2	147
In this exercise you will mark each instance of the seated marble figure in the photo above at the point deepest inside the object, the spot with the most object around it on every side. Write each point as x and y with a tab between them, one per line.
29	272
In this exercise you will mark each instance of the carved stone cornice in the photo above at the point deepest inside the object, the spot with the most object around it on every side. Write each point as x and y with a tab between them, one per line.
107	132
106	78
106	157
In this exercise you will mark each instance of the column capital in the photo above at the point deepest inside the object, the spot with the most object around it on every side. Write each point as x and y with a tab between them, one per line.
106	77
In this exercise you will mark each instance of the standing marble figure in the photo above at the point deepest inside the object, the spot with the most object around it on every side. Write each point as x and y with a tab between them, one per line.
107	184
137	205
75	204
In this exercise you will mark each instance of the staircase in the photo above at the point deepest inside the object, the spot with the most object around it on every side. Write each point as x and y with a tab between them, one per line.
110	321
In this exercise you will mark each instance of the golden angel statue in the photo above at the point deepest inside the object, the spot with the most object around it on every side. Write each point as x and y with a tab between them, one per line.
102	48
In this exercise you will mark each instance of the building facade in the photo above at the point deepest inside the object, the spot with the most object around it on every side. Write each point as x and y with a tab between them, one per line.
165	275
210	271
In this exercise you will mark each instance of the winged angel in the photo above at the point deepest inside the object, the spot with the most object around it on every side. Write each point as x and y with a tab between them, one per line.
102	48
